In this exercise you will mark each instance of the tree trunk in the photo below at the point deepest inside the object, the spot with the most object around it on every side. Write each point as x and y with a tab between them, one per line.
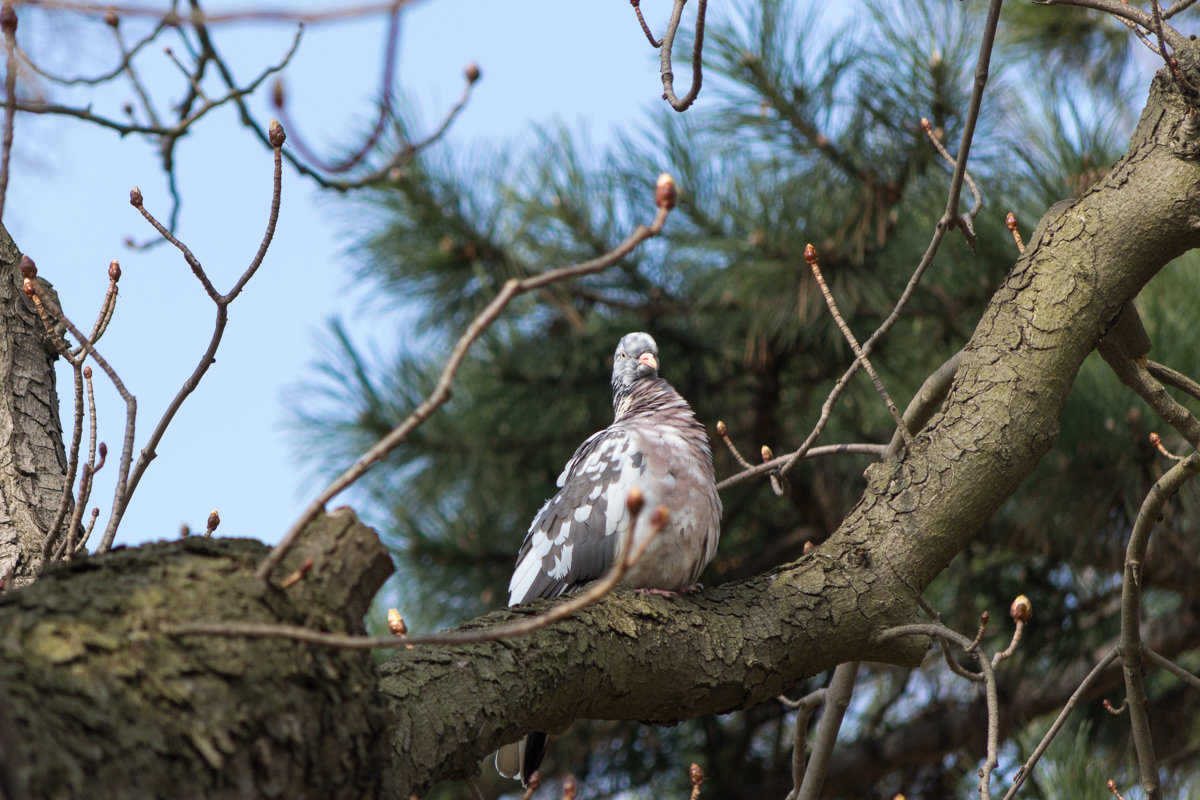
33	462
95	702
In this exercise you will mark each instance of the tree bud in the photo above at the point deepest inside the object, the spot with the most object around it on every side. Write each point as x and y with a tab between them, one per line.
665	192
1021	609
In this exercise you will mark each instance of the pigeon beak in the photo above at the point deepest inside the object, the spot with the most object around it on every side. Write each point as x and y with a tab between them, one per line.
649	360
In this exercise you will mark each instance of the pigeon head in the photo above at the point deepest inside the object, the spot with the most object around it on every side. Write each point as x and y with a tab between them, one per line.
636	358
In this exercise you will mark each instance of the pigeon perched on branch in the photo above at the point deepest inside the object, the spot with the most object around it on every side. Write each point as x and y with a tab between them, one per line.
654	444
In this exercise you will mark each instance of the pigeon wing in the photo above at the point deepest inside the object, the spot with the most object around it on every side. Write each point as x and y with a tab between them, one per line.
575	537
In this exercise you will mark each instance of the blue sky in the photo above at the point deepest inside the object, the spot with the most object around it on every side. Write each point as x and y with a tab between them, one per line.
584	64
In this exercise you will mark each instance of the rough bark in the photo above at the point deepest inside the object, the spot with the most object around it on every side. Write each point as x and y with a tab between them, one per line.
90	686
33	463
94	702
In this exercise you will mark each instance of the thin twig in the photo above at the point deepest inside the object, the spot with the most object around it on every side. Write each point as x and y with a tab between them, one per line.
32	288
128	481
138	87
723	432
780	462
810	255
806	706
1156	26
1124	10
8	23
1171	667
64	503
1073	701
632	550
1174	378
976	196
637	9
991	697
105	77
940	230
1176	7
951	216
334	13
386	95
841	686
668	41
441	391
1132	646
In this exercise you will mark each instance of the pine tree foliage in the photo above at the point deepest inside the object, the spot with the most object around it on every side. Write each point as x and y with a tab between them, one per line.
807	132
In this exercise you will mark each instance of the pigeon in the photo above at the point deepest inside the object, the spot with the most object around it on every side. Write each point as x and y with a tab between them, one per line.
655	444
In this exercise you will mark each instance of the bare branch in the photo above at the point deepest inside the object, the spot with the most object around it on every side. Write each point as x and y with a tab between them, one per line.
198	17
633	552
1132	646
940	631
8	24
841	686
810	255
951	216
781	462
1171	667
441	393
128	482
1126	11
1174	378
386	98
666	45
637	9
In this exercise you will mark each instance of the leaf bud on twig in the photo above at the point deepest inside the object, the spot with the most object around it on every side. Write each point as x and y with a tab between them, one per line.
135	197
810	254
634	501
214	519
275	134
28	268
767	454
27	287
1021	609
396	623
111	19
472	72
665	192
87	372
721	428
660	518
114	271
